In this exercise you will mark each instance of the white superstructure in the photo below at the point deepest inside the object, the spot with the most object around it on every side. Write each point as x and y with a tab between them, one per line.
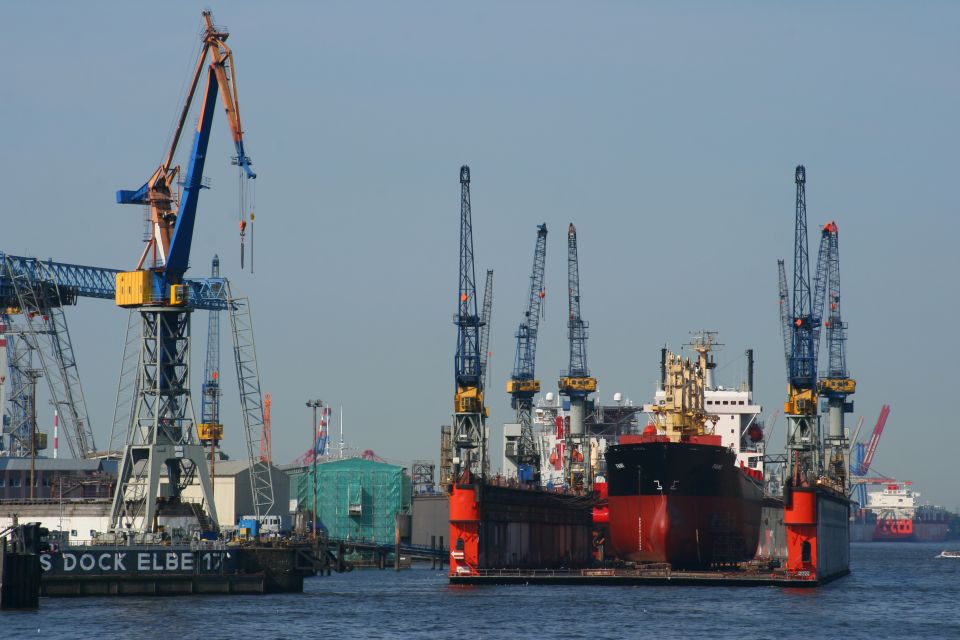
896	500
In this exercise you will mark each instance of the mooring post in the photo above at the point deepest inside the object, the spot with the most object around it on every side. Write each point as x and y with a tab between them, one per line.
396	540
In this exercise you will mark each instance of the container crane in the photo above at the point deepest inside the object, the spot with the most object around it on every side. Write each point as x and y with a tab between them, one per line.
523	384
576	382
469	438
162	432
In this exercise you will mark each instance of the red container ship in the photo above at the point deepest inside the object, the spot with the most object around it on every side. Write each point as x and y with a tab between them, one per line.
689	491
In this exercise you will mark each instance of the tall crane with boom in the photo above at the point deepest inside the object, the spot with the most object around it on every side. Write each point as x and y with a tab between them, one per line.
836	386
800	410
162	432
523	384
469	413
576	382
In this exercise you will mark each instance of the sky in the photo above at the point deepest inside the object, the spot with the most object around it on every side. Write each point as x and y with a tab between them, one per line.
667	132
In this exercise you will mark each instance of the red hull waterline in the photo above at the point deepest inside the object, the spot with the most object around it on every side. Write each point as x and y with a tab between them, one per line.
685	504
686	531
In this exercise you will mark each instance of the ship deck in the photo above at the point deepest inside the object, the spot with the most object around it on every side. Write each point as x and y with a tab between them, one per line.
643	577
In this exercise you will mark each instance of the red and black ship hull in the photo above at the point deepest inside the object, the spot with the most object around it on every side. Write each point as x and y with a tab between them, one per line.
682	503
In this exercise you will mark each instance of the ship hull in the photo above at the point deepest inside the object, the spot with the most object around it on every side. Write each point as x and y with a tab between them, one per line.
684	504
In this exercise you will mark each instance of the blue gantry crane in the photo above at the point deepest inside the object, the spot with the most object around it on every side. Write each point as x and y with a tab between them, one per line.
33	294
469	413
523	384
576	382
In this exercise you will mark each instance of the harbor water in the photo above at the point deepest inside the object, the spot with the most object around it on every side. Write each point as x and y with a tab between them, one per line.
896	590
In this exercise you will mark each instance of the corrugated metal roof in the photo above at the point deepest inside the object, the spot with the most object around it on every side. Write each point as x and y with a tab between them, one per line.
51	464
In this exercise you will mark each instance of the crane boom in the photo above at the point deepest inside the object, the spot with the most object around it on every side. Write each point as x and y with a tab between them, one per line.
786	330
803	362
485	324
577	327
874	440
172	233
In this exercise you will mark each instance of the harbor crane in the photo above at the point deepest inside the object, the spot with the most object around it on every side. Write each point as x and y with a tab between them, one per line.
469	413
162	436
805	443
836	386
863	457
576	382
523	384
800	410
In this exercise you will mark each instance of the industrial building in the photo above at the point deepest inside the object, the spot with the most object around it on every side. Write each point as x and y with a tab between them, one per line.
430	525
357	499
55	478
233	494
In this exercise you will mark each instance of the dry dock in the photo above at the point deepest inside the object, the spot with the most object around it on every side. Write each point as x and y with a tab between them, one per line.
646	577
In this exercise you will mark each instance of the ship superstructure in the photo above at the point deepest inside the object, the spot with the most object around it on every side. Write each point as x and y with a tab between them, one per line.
730	412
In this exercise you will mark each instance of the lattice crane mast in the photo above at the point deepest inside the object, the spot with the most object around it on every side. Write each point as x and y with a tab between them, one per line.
162	433
576	382
786	327
485	325
800	410
523	384
469	441
836	386
210	429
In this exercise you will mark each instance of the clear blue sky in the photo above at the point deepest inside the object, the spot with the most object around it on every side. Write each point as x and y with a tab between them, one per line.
667	132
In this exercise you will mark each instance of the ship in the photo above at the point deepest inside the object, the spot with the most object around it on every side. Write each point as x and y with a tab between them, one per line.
893	514
688	491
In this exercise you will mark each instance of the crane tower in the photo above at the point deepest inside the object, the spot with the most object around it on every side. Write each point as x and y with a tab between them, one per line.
162	434
523	384
576	382
836	385
469	413
800	410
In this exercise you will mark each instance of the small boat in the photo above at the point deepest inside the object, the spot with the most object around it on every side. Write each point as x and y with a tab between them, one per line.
949	554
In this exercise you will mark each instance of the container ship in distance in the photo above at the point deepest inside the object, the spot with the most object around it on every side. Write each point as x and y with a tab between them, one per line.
689	491
894	515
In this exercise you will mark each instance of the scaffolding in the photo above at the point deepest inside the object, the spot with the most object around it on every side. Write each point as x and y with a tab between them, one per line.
357	499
